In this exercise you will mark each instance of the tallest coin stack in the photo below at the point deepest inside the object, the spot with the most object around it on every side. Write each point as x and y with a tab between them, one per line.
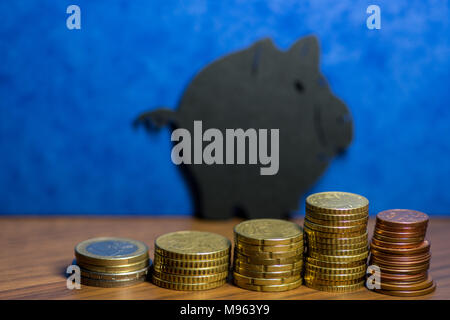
336	241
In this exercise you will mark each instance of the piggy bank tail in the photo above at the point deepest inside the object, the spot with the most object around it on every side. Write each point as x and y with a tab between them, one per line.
156	119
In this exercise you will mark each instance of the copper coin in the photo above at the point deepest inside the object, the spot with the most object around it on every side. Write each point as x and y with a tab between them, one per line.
412	257
399	245
422	267
400	263
386	277
416	240
381	226
402	270
408	293
403	260
398	234
402	217
384	227
417	285
422	248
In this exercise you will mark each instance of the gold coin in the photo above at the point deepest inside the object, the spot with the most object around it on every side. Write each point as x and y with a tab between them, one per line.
336	202
350	270
336	252
263	248
335	288
339	265
332	258
338	223
110	251
160	260
333	282
264	281
187	287
269	255
335	277
268	268
348	246
190	279
192	245
328	237
111	283
331	229
269	232
192	271
336	217
114	269
269	275
114	276
271	288
252	260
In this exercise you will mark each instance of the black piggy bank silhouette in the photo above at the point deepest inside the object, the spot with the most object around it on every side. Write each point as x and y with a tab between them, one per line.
261	87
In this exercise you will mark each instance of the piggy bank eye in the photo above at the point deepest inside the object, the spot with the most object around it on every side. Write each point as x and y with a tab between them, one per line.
299	86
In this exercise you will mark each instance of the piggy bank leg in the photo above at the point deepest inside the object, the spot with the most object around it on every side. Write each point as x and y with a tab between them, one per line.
266	210
215	208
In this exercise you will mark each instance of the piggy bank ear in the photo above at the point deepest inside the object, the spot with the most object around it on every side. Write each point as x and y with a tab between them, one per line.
307	49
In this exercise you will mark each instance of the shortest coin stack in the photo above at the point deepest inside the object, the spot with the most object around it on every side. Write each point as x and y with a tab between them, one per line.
402	253
191	260
268	255
112	262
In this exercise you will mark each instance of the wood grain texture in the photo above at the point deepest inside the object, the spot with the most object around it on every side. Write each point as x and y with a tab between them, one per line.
35	253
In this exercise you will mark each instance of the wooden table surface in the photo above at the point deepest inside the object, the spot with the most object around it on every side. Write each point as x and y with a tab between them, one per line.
35	252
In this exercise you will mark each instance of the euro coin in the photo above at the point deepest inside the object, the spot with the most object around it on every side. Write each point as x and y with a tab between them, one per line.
269	288
333	229
269	275
335	202
328	264
265	281
190	279
269	255
335	277
187	286
252	260
176	263
424	247
114	276
335	237
408	293
403	218
334	258
348	270
270	232
334	288
348	246
337	223
110	251
192	245
336	217
111	283
114	269
191	271
269	249
269	268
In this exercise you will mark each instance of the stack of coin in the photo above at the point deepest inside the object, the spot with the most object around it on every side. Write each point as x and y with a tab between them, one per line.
191	260
112	262
268	255
336	241
402	253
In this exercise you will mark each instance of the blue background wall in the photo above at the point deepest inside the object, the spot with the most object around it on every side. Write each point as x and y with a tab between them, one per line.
67	98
